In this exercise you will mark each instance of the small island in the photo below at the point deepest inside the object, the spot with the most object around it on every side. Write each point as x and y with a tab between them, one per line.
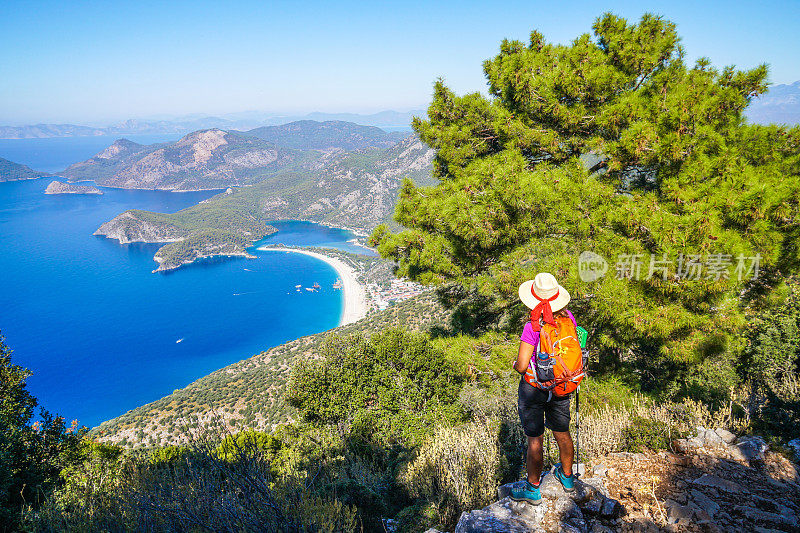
58	187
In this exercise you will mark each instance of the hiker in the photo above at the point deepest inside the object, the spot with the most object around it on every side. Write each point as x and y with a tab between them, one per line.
550	372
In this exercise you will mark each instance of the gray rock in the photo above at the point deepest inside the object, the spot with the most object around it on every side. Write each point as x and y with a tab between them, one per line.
596	484
611	509
600	470
597	527
594	506
630	456
567	508
552	488
677	513
725	435
570	515
504	516
701	501
716	482
432	530
752	448
770	519
687	445
711	439
794	444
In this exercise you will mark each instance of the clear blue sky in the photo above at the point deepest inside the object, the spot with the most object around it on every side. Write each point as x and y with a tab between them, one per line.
95	62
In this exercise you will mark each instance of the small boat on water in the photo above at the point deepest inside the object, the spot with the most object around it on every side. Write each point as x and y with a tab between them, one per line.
316	286
297	286
179	341
338	284
312	289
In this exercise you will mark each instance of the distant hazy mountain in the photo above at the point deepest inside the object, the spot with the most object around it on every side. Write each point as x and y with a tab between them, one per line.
10	171
781	105
128	127
313	135
235	121
206	159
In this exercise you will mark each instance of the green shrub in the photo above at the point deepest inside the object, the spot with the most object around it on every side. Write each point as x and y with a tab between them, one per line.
32	454
392	387
644	434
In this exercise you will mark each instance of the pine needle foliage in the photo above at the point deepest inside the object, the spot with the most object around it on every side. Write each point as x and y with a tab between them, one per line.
610	144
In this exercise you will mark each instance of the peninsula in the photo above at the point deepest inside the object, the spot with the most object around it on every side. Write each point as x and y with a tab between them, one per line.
191	233
59	187
10	171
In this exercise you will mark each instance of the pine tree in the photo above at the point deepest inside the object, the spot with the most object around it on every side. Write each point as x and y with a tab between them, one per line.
613	145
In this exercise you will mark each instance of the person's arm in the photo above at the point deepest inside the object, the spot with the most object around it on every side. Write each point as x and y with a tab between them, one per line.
523	357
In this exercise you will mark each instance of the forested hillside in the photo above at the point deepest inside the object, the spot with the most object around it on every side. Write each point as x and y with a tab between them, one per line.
10	171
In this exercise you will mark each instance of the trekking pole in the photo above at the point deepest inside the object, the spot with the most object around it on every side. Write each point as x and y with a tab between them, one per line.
578	432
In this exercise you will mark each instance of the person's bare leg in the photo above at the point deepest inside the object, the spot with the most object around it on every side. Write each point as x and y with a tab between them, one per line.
534	458
566	450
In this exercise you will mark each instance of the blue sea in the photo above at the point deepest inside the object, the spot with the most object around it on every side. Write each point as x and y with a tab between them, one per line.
102	334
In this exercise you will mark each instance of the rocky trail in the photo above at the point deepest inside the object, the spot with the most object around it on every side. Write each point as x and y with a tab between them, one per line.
712	482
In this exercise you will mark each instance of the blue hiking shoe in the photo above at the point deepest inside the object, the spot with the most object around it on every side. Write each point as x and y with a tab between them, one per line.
568	482
527	493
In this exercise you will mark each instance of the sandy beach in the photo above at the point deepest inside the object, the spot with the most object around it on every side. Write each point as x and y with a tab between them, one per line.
355	298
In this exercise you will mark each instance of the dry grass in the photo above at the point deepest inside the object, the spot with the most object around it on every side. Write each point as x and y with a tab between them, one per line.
458	468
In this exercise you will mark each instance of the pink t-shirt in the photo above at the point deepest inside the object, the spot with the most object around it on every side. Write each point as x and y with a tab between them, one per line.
532	337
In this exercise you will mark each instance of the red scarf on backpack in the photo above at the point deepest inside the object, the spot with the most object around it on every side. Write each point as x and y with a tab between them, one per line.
543	310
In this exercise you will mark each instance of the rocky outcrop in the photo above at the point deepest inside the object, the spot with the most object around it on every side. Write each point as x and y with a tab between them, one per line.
59	187
588	508
723	443
130	227
716	483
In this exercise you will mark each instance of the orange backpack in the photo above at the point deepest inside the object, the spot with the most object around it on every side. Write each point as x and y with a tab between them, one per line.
557	363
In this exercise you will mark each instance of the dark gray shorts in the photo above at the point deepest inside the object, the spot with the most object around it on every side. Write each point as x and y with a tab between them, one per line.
538	410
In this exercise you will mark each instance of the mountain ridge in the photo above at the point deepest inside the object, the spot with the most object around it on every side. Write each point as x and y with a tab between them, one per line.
232	121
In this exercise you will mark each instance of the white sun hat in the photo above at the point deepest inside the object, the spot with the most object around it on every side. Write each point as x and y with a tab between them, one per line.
542	288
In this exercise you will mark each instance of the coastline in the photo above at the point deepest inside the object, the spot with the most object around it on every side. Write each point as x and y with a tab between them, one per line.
355	299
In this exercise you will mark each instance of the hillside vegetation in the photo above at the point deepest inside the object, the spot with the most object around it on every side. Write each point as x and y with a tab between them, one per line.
199	231
385	428
10	171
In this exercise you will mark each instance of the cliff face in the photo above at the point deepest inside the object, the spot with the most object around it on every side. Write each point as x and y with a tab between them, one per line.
58	187
128	227
355	189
